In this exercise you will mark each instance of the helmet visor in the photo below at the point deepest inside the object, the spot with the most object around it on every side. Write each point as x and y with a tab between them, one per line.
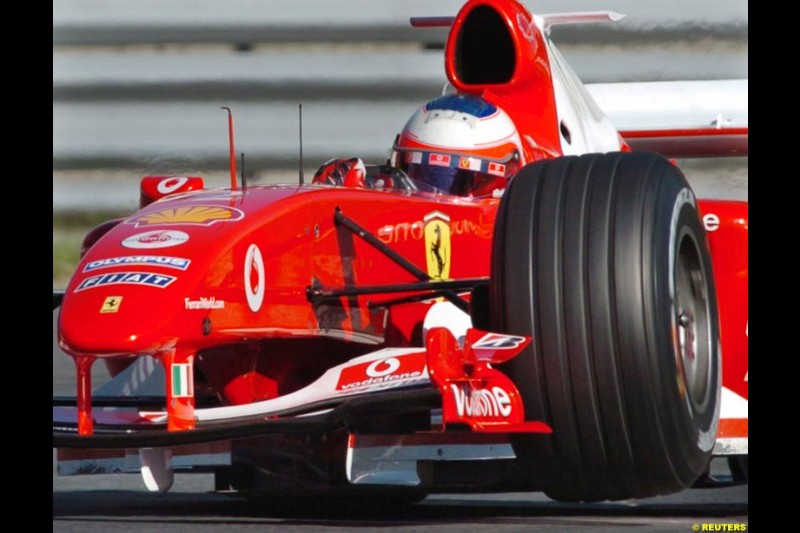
455	174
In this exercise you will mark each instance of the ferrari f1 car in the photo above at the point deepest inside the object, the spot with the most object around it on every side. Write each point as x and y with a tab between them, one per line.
582	332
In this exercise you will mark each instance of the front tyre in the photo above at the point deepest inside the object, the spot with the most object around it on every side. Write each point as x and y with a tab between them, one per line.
603	260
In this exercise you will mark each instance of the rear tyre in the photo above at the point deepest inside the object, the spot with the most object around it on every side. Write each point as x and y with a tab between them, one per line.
602	259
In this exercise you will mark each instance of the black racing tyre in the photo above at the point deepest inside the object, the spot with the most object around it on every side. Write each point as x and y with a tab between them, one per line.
603	260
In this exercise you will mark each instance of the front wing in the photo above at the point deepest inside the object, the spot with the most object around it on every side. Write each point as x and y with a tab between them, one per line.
453	377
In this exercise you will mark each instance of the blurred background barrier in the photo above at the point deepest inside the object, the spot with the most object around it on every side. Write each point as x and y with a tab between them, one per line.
137	86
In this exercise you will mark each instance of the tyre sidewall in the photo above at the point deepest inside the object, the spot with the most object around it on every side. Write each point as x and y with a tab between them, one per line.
696	422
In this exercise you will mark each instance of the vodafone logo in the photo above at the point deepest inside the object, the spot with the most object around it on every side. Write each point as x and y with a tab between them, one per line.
254	278
383	373
170	185
383	367
156	239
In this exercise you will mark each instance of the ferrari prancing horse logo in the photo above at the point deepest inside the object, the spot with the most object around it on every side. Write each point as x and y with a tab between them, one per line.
437	244
111	304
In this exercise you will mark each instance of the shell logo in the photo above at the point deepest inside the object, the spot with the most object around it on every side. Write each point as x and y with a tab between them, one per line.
197	215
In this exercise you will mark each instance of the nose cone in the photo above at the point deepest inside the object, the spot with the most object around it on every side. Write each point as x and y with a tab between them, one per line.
159	277
128	292
108	319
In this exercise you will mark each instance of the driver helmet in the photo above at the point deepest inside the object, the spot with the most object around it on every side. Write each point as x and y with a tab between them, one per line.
459	144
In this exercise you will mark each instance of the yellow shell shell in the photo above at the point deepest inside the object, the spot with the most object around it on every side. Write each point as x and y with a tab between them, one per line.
186	215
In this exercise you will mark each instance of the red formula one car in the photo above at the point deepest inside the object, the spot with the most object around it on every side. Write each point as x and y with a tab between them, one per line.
551	309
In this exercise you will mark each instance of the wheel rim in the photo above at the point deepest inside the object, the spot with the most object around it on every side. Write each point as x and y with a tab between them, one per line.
692	323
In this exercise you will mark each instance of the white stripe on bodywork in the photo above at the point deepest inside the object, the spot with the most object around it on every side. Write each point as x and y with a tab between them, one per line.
732	405
731	446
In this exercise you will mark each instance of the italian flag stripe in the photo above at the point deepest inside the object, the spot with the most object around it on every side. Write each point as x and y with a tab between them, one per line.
181	381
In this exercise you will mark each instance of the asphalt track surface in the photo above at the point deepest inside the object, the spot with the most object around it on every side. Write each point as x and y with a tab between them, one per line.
121	503
188	508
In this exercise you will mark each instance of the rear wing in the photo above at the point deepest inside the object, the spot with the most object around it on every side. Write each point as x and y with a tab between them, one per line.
679	118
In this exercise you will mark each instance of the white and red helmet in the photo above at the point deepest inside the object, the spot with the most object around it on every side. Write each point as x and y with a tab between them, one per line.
459	144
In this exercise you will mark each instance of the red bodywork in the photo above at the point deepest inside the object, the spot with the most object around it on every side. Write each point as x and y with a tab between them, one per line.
298	245
726	227
215	283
